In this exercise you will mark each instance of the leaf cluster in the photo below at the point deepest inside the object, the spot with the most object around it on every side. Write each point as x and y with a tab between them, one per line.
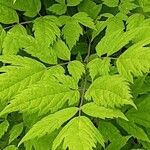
74	74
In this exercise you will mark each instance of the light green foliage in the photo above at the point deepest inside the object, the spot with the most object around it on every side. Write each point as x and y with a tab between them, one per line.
56	91
113	42
99	67
141	115
76	69
11	147
31	7
8	14
8	9
83	18
100	26
15	132
145	4
134	21
79	132
58	9
2	36
61	50
50	123
105	92
16	77
74	74
134	130
3	127
90	7
111	3
73	2
110	132
135	61
143	25
12	43
47	28
102	112
126	6
72	29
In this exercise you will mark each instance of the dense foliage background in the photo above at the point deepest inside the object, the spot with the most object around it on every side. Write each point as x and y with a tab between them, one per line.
74	74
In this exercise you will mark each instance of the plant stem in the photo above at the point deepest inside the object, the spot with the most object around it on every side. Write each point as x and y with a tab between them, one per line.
86	60
22	23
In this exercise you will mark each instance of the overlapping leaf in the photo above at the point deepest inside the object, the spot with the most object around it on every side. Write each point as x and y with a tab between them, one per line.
49	123
56	91
94	110
19	75
109	91
135	61
79	132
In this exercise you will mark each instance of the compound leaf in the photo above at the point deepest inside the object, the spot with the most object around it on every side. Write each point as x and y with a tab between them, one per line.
16	77
76	69
49	123
15	131
79	132
73	2
135	61
99	67
56	91
84	19
62	50
94	110
109	91
3	128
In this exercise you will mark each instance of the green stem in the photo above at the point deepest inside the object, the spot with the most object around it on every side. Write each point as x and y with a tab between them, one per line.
84	84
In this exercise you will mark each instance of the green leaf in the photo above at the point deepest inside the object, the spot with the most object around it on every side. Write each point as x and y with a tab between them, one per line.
115	23
19	75
7	13
126	6
15	132
111	3
57	90
61	49
30	7
14	1
58	9
100	26
113	42
99	67
73	2
46	30
84	19
49	123
94	110
79	132
12	43
42	52
141	115
135	60
134	21
2	37
11	147
72	26
118	144
3	128
45	142
89	7
145	4
111	133
76	69
110	91
134	130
